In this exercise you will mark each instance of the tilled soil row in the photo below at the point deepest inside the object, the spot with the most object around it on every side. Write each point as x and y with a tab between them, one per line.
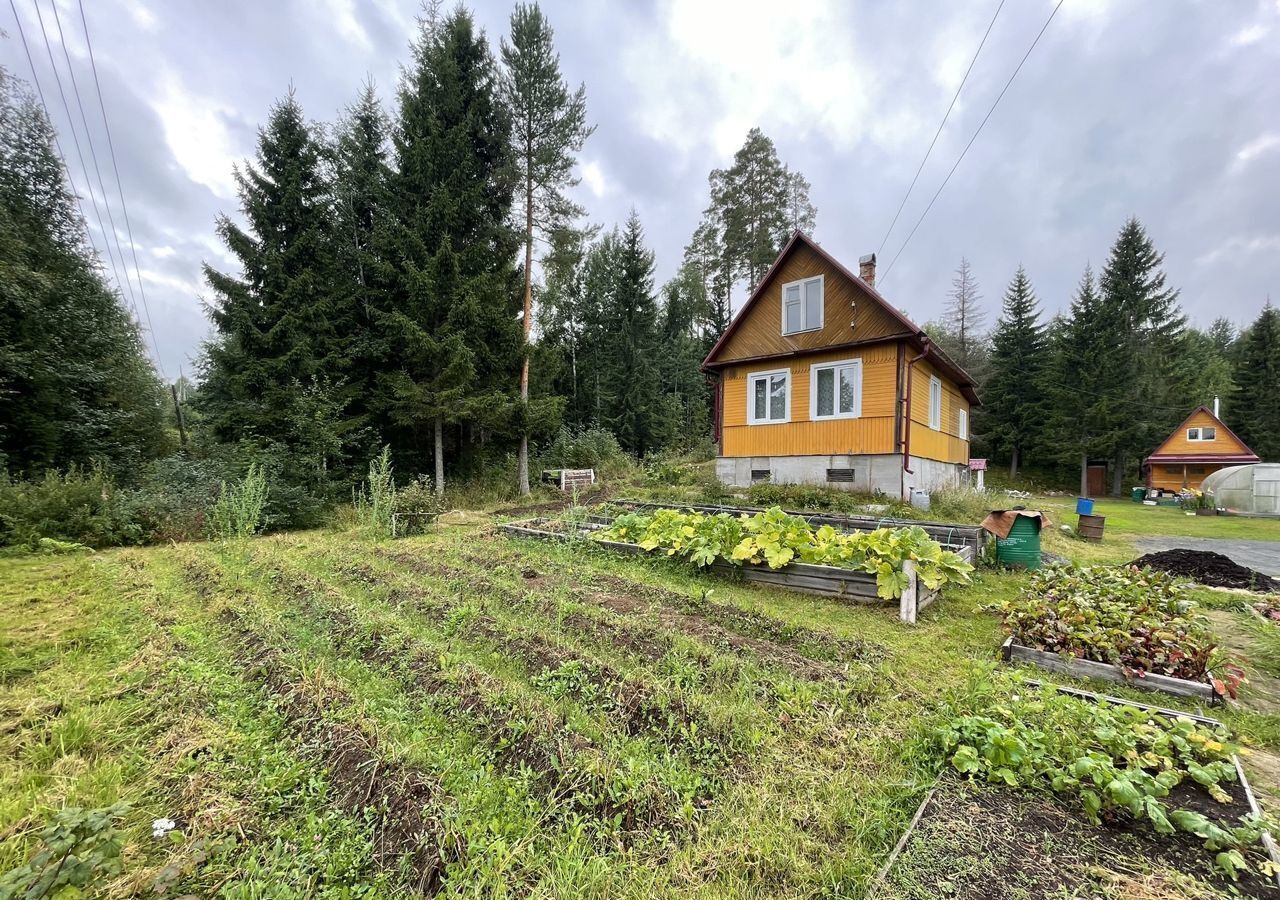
403	803
543	745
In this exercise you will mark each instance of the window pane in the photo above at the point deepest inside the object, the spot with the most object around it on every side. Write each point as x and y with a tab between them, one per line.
1193	434
848	388
761	389
778	397
1208	434
793	317
812	303
826	392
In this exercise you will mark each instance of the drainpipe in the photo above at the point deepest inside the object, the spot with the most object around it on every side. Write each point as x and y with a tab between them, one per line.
906	440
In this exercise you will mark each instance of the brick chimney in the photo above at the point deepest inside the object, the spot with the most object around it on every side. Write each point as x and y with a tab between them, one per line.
867	269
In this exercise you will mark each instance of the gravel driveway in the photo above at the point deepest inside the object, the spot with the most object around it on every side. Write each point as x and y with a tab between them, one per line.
1261	556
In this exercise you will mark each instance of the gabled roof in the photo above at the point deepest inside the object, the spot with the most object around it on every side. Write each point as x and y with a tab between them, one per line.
1248	456
911	333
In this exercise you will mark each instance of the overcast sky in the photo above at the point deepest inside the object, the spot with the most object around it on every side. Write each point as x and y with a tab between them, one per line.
1165	110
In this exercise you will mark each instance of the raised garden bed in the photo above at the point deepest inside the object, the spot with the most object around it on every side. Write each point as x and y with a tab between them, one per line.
1129	626
970	839
948	534
1086	668
826	581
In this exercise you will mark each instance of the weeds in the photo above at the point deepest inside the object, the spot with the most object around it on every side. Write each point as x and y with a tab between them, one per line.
237	514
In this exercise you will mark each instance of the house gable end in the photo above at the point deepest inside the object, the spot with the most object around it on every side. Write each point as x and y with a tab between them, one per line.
851	313
1225	442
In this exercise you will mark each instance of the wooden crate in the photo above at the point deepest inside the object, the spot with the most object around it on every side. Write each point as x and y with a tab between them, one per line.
826	581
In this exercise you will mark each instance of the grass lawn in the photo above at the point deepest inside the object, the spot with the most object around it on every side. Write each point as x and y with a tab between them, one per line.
1128	519
466	714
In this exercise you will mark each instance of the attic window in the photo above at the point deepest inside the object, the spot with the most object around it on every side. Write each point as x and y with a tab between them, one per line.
1207	433
802	305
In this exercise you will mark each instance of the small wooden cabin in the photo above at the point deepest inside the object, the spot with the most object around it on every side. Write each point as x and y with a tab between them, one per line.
1200	445
820	380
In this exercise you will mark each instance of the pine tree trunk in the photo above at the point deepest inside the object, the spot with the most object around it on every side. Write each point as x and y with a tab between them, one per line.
523	463
1084	474
439	455
1013	463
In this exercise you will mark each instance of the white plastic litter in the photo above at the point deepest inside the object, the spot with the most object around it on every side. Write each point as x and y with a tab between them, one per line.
161	827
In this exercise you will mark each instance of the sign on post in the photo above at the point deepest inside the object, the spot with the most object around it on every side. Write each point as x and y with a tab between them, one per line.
979	466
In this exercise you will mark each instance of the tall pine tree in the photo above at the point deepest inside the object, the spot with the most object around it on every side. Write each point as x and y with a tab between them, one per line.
1015	405
1255	407
549	128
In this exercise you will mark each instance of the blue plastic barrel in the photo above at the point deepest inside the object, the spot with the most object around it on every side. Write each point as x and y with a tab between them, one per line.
1084	506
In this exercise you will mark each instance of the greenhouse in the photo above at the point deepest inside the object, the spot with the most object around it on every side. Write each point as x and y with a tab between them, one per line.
1252	490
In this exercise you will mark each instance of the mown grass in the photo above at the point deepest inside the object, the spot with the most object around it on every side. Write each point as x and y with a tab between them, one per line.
462	714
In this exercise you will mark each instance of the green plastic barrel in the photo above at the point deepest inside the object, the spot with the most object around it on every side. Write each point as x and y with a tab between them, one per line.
1139	494
1022	546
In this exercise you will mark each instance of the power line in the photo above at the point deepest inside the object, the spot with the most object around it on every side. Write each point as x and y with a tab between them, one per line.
941	125
133	248
93	153
982	125
76	140
35	78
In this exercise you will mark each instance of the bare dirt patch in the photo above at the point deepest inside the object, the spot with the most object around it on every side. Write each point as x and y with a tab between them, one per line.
1209	568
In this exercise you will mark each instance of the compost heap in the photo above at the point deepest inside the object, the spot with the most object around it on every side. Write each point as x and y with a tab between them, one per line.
1209	568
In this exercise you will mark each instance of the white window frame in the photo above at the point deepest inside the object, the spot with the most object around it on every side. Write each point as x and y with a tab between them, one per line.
935	406
1199	431
962	424
822	304
752	378
856	364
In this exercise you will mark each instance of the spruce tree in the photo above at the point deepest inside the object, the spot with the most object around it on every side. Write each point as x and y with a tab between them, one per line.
1255	407
632	387
269	371
454	324
75	384
1133	285
549	128
1088	348
1015	401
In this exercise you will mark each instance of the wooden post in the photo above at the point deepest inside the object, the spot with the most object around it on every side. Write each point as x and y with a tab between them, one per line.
910	596
177	411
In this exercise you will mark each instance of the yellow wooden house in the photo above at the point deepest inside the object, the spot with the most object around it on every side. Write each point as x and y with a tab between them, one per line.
1202	444
820	380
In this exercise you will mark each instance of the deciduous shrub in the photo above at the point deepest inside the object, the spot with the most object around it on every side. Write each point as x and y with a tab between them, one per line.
238	511
587	448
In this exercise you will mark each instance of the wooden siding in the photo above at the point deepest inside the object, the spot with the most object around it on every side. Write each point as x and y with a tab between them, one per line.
945	444
1176	476
872	432
1224	442
849	314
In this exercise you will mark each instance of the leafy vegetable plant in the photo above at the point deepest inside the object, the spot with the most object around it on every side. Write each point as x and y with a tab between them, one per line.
1138	619
1116	760
776	539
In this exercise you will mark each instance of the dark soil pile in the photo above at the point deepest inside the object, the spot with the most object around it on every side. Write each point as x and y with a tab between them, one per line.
1209	568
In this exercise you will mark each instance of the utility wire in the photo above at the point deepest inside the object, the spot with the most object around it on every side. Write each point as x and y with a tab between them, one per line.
80	153
941	125
982	125
35	79
93	153
133	247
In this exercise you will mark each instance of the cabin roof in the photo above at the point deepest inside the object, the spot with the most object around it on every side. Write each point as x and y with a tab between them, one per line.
1207	456
913	334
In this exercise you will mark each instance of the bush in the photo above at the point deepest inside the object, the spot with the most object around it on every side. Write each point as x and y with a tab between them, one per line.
586	448
78	506
375	501
416	506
